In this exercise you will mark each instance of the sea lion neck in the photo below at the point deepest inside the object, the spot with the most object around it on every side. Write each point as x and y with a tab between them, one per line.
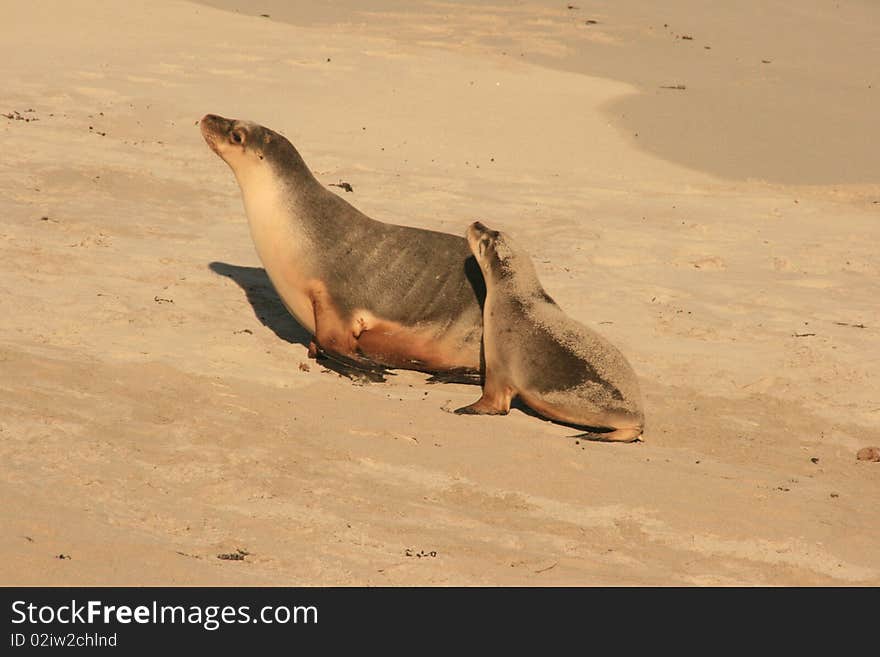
513	267
286	161
280	183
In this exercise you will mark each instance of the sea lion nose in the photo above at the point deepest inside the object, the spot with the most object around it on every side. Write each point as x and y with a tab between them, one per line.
475	230
213	120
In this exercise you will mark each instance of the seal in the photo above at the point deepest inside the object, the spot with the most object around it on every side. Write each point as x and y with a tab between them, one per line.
371	293
557	366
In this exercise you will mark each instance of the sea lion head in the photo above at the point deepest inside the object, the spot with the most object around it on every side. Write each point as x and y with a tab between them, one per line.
503	263
248	147
238	143
493	250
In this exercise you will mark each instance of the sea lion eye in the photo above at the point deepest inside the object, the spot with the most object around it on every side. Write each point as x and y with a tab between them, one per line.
237	137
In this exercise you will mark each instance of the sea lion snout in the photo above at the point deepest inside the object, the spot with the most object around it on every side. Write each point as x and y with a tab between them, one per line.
476	230
214	124
478	233
478	227
212	118
221	127
473	236
214	129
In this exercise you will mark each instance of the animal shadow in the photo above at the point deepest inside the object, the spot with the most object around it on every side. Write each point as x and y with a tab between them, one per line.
269	309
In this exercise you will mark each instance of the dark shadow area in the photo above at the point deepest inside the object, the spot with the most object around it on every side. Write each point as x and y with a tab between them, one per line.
272	314
265	301
455	376
475	278
356	372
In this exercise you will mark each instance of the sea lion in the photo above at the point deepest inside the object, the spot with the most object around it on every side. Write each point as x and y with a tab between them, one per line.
557	366
371	293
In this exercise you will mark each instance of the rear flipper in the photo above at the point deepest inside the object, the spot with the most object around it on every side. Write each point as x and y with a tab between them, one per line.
481	407
610	426
617	436
355	370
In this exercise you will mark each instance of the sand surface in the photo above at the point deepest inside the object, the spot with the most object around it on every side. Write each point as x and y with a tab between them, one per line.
153	411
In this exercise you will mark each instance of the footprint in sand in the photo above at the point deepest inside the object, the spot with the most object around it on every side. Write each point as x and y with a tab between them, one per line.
711	263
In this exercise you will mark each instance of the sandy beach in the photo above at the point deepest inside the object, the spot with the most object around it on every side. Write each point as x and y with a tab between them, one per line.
701	187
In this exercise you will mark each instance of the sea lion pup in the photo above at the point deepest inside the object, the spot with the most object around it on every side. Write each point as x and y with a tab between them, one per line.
557	366
369	292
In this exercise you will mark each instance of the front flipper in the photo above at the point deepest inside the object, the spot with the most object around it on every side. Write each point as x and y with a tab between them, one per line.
481	407
334	336
495	401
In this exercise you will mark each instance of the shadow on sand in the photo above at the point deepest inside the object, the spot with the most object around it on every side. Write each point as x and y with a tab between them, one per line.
271	312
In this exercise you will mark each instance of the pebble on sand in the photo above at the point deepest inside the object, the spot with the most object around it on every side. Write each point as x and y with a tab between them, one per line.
868	454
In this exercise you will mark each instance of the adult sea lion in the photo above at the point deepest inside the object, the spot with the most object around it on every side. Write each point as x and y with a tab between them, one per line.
557	366
369	292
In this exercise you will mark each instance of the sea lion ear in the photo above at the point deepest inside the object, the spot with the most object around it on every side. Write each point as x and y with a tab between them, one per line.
267	138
